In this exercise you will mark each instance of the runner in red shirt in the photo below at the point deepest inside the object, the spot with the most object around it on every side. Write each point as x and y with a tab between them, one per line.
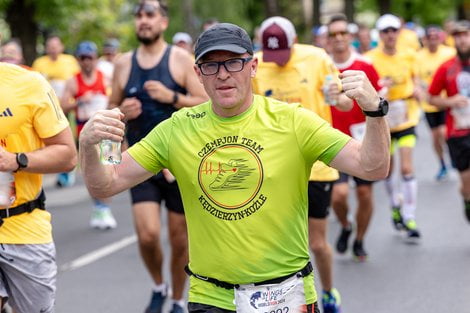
86	93
454	77
353	124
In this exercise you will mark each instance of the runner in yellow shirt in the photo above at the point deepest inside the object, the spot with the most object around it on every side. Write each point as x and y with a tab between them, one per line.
293	72
35	138
428	60
57	68
396	69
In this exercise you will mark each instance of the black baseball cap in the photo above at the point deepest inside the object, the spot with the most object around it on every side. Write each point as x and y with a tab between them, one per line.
225	37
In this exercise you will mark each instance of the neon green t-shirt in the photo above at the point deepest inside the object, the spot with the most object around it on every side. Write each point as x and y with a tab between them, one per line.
243	181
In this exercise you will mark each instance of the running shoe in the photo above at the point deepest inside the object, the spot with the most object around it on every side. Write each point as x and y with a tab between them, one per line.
397	220
102	218
442	174
331	301
65	179
359	253
412	232
342	243
156	302
176	308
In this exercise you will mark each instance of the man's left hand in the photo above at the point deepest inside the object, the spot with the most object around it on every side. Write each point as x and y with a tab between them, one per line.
357	86
158	91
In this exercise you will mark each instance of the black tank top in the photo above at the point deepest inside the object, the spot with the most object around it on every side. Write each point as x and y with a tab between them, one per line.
153	112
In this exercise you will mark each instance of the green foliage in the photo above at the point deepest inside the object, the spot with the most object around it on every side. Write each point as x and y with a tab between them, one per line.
76	20
424	12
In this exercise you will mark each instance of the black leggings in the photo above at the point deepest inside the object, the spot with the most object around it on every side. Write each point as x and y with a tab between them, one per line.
204	308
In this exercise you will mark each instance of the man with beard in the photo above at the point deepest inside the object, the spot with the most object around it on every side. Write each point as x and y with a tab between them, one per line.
454	77
149	84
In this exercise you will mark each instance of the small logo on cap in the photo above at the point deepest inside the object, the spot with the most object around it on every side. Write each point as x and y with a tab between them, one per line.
273	43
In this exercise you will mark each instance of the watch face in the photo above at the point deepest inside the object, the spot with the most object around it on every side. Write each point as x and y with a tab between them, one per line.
384	104
22	160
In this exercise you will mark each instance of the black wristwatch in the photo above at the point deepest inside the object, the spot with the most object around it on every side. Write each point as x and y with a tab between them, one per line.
381	111
22	160
175	98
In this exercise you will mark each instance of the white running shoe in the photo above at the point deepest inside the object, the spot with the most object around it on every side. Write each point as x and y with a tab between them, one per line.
102	218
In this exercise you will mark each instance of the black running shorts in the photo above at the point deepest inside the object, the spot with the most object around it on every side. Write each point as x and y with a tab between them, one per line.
436	119
319	198
459	150
156	189
344	178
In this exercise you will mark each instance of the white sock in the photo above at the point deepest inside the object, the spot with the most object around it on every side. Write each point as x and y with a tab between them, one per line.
162	288
410	193
179	302
393	191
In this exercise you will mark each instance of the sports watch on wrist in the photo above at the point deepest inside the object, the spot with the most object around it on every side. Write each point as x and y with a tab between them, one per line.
381	111
22	160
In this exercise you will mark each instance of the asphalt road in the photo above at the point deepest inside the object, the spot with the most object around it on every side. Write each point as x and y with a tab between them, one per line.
101	271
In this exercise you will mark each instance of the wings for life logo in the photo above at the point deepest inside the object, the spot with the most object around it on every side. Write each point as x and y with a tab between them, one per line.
230	176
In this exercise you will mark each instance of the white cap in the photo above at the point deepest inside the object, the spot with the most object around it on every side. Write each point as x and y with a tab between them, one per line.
184	37
388	21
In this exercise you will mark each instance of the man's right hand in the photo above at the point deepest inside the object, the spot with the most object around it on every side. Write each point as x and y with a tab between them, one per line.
104	124
131	107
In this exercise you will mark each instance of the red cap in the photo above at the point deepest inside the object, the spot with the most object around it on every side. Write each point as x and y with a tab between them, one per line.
278	35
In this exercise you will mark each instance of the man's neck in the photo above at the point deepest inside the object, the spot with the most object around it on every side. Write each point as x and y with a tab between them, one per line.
341	57
153	49
89	77
433	49
389	50
149	55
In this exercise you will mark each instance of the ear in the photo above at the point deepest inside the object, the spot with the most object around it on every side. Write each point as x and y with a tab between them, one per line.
198	72
254	67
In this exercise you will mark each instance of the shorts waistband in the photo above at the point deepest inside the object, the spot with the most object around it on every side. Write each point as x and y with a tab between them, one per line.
306	270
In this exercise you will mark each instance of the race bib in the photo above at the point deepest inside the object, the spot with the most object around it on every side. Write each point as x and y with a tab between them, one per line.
58	86
285	297
86	110
397	113
461	117
358	130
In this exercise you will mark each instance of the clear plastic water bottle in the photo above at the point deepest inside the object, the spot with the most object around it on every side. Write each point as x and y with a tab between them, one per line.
110	152
326	88
6	189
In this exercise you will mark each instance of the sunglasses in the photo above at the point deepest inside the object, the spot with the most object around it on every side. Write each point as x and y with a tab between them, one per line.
334	34
389	30
147	8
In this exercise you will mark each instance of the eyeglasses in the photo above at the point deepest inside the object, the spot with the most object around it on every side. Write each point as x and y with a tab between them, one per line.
85	57
334	34
231	65
389	30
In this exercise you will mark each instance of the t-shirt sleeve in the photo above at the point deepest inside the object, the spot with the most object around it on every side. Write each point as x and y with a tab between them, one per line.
317	139
152	151
438	81
48	117
373	76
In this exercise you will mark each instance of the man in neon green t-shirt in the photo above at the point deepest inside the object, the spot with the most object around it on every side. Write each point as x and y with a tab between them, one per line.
242	163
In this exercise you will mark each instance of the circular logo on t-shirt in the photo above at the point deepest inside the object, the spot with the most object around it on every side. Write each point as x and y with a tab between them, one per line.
231	175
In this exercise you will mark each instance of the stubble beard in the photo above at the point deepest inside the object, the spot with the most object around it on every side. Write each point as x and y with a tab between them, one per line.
147	41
